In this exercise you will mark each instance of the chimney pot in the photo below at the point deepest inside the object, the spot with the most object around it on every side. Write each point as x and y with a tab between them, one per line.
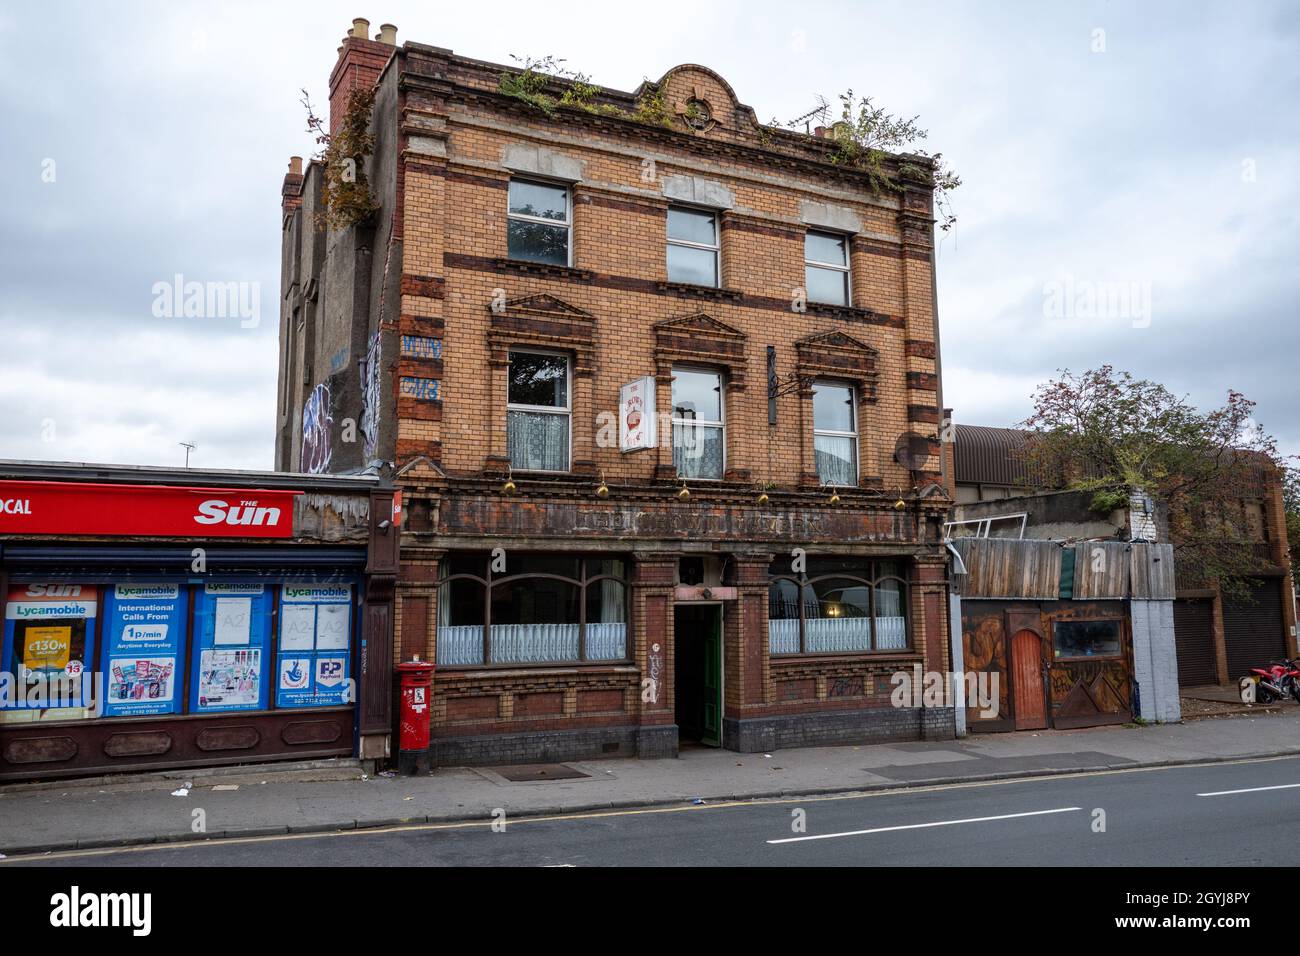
360	28
295	165
387	34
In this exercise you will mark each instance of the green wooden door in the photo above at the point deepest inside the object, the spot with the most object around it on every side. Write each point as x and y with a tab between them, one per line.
712	723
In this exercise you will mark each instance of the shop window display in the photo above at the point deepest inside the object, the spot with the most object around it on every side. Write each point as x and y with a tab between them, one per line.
231	647
49	644
314	641
144	644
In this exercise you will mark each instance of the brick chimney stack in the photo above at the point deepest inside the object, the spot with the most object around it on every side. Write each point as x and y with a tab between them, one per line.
360	62
291	191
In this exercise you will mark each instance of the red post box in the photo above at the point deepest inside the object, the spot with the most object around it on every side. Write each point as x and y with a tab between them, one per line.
417	698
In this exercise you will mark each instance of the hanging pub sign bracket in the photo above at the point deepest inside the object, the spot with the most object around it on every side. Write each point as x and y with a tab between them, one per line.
777	386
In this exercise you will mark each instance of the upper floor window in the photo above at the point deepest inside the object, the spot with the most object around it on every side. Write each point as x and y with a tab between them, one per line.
539	222
835	434
698	427
537	411
692	246
826	267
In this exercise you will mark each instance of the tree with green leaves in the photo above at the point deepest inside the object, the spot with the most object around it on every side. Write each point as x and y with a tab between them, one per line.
1291	506
1113	434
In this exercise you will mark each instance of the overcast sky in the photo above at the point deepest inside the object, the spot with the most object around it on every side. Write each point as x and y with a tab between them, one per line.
1138	151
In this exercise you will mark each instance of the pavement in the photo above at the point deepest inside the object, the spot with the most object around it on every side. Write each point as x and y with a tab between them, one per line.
270	801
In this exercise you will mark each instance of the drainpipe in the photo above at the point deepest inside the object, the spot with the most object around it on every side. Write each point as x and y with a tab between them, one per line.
956	651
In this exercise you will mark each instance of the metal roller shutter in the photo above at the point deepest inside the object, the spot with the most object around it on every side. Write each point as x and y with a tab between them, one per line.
1252	629
1194	637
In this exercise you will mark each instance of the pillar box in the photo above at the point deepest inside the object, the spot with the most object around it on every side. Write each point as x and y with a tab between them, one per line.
413	744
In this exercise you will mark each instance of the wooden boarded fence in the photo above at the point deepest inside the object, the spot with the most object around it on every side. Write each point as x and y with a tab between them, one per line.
1103	570
1008	568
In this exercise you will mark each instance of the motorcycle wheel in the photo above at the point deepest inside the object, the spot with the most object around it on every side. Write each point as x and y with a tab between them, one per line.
1263	695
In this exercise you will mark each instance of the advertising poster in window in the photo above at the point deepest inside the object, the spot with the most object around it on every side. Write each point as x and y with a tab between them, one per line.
315	645
49	642
232	628
144	636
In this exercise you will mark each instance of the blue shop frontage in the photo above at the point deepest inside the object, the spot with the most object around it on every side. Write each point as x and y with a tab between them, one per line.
160	618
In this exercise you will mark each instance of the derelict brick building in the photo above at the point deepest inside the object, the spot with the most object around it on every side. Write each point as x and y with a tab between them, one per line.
577	329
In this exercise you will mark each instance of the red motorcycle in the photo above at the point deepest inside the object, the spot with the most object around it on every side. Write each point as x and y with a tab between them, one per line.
1277	681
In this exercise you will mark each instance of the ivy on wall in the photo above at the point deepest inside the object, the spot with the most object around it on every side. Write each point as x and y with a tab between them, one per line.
346	199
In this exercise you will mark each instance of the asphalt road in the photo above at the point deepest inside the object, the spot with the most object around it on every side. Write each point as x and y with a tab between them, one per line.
1185	816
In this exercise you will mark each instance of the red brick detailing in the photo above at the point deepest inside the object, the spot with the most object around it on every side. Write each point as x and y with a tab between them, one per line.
600	701
415	627
429	286
537	705
482	707
358	67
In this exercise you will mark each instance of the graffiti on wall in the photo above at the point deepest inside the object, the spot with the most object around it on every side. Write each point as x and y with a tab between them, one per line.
317	423
371	397
985	650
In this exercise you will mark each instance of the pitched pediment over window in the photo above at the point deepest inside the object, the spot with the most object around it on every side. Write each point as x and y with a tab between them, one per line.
700	338
543	320
542	303
838	355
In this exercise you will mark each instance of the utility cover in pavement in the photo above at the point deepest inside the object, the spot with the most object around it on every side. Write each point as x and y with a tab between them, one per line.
523	773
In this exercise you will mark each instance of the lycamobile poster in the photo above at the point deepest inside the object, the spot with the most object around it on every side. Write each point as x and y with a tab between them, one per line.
315	629
144	636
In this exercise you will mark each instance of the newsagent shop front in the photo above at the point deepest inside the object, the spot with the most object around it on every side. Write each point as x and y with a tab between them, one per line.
158	618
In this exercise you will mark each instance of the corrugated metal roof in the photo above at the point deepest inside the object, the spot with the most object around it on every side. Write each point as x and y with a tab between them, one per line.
989	456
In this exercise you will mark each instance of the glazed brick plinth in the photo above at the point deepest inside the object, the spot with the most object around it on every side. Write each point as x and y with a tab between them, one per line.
867	726
554	747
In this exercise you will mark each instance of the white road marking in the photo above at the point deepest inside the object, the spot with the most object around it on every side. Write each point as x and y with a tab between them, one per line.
1225	793
922	826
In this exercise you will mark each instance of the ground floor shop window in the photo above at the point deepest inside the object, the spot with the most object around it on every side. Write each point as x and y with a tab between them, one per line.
174	648
837	605
315	631
1086	639
49	646
531	609
144	644
232	629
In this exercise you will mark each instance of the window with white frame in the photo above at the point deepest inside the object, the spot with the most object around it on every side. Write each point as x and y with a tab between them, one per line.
837	605
835	434
540	609
699	431
826	267
539	222
692	246
538	411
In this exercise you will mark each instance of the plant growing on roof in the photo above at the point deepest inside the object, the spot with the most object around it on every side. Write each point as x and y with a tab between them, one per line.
867	137
529	84
346	199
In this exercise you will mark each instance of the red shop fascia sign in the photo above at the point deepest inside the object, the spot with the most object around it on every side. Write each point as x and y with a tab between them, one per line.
77	508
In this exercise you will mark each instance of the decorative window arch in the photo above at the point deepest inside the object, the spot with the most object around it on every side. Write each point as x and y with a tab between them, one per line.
543	609
838	606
